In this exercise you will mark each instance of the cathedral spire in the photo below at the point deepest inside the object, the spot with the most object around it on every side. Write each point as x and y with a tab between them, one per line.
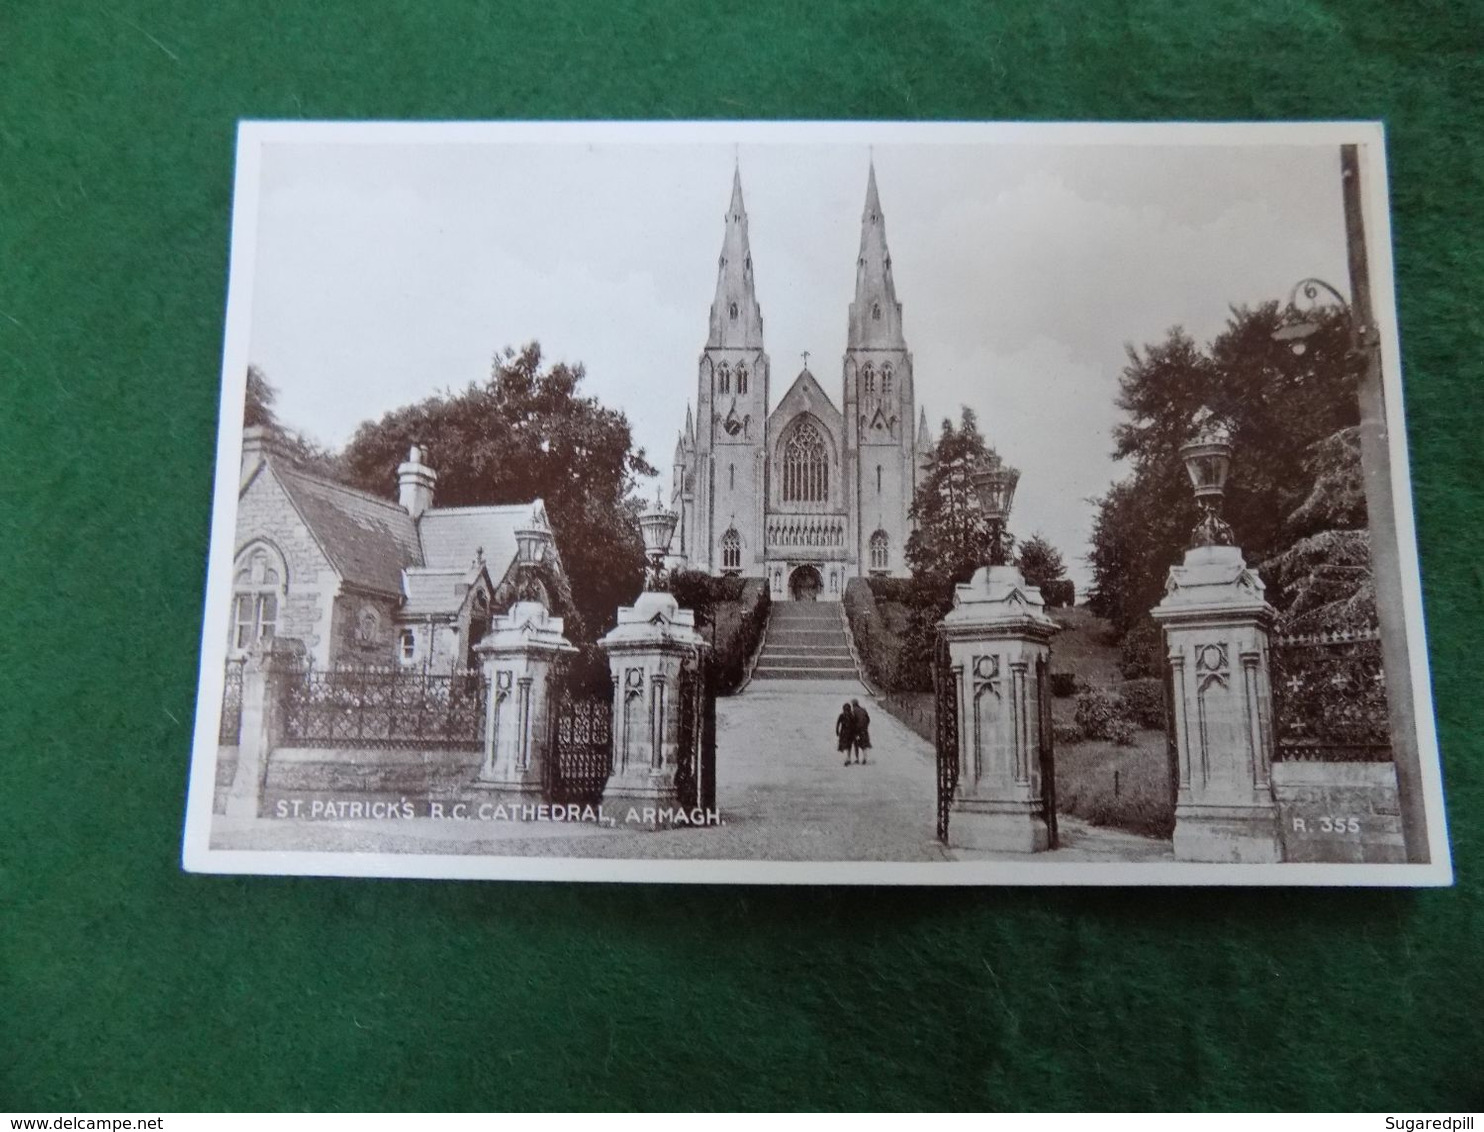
924	434
875	315
736	319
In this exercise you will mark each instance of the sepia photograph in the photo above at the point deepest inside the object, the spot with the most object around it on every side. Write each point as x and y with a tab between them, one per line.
1069	542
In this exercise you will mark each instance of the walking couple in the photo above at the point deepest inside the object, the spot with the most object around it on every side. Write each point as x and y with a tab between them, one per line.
853	729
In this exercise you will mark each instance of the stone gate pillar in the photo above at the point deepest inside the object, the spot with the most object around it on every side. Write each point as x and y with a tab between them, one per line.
997	631
518	655
267	665
646	650
1216	625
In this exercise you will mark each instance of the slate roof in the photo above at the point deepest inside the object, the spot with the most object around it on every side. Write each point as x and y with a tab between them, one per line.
373	543
432	591
452	536
369	540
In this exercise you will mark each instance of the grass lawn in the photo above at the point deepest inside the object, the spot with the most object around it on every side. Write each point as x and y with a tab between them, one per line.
1137	801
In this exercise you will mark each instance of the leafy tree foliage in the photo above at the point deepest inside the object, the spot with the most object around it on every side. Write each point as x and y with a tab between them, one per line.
523	434
951	539
259	412
1285	412
1040	563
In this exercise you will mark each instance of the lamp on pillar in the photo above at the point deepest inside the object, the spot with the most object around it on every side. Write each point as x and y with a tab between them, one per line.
657	527
1208	460
532	547
995	482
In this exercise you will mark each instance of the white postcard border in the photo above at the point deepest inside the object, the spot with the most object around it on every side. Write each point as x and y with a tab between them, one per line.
199	856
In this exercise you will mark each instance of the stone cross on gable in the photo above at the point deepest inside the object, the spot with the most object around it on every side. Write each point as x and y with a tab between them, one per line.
806	359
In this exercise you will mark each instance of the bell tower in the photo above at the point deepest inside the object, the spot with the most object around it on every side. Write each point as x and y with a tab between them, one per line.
880	439
725	530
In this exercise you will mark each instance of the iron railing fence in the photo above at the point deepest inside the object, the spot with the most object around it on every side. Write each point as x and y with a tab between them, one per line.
1329	697
229	728
373	706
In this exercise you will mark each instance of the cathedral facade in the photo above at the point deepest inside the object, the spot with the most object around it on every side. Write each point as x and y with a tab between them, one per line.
809	494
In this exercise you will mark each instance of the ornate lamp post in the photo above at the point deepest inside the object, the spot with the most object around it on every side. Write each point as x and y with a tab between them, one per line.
994	483
657	526
532	547
1208	459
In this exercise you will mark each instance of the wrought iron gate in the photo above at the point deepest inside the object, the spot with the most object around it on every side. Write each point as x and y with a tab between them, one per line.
1047	750
695	771
580	747
945	703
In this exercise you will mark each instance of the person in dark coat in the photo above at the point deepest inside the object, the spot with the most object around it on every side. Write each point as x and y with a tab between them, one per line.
861	719
845	731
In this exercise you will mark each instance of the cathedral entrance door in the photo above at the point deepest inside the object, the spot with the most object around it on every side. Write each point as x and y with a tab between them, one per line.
805	583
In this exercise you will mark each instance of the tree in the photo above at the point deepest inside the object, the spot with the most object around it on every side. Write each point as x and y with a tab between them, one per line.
259	411
1281	409
1040	563
950	539
523	434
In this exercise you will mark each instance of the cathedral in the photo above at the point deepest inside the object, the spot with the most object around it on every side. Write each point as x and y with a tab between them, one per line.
808	495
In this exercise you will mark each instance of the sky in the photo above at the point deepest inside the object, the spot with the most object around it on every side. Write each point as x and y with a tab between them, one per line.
387	272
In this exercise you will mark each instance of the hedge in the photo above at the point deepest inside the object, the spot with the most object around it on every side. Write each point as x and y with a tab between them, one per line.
731	613
894	663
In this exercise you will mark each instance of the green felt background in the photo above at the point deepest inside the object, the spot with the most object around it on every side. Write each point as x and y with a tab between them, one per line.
125	984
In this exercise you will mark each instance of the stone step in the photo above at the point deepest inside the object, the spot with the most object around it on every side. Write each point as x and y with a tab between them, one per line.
766	663
840	675
841	653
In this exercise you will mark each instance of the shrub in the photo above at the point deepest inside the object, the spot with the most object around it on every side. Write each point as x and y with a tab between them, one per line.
1142	652
1121	731
1065	734
1146	702
1096	709
892	589
1061	592
1063	684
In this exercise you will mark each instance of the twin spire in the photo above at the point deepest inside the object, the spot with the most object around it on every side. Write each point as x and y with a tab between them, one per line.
736	319
875	314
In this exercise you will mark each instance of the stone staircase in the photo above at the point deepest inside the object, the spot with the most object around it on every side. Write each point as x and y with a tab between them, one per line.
805	640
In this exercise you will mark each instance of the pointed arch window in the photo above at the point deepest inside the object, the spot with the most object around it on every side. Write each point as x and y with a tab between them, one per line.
886	380
733	312
724	378
878	479
741	379
731	550
876	311
868	378
806	465
256	586
880	550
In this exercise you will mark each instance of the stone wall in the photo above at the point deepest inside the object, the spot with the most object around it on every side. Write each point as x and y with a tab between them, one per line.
363	629
314	774
1338	812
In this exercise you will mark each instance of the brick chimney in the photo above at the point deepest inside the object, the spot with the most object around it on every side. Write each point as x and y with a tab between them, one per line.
415	483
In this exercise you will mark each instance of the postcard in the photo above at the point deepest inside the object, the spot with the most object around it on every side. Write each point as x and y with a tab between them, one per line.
1071	541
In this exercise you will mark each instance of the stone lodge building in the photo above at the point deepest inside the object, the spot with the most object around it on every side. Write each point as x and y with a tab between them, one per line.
807	495
362	580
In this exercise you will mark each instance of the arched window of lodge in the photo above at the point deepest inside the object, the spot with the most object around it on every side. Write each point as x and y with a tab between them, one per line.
880	548
256	586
